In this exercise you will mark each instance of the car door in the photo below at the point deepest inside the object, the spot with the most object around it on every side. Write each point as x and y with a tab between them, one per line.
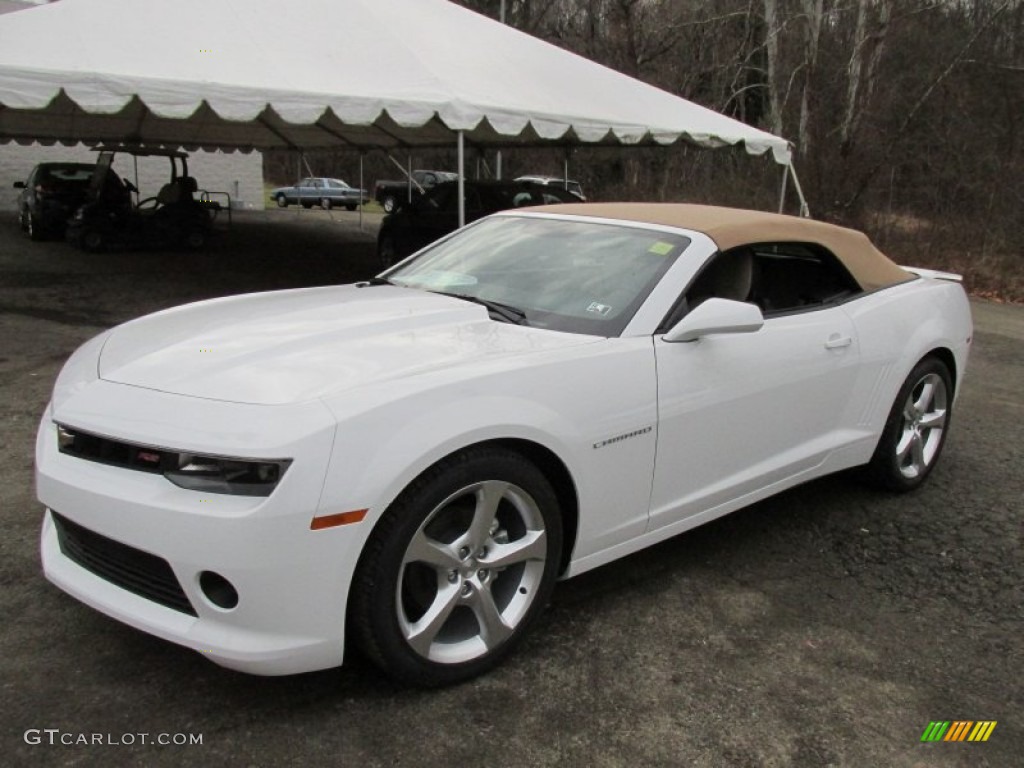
742	412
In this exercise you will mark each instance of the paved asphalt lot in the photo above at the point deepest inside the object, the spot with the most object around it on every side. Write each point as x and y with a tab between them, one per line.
824	627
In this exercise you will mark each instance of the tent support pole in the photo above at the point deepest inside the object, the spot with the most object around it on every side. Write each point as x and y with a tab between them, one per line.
462	180
782	192
360	191
298	182
805	211
408	178
497	166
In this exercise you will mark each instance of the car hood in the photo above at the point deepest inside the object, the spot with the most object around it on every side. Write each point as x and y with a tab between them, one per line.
293	346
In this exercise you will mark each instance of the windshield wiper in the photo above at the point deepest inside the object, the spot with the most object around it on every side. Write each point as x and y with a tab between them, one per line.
500	311
373	281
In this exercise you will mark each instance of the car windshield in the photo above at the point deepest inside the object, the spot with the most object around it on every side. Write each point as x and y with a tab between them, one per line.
69	175
565	275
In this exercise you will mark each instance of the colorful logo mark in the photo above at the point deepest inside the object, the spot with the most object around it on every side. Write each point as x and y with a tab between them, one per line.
958	730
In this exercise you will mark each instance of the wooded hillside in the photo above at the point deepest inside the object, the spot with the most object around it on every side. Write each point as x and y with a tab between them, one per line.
906	114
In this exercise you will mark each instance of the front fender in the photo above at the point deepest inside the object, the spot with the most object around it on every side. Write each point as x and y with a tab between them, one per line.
581	409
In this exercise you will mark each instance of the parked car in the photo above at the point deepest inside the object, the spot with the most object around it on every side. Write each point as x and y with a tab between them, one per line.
390	193
410	463
435	214
556	181
324	192
50	196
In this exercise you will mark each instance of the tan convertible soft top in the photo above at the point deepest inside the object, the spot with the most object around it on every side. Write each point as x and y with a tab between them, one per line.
732	227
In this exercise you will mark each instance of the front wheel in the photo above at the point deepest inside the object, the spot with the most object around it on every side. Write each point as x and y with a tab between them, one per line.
387	249
458	568
282	201
916	428
325	203
388	203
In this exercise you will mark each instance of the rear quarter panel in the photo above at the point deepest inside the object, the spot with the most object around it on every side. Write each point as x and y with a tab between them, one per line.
896	328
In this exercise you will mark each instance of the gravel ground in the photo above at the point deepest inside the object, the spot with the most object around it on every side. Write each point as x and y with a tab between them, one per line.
825	627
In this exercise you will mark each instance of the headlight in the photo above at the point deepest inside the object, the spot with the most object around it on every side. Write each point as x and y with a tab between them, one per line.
196	472
214	474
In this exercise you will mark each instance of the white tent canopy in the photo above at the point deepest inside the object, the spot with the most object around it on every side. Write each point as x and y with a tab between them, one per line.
303	74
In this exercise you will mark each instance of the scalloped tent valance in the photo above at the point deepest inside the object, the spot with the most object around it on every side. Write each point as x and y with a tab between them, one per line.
304	74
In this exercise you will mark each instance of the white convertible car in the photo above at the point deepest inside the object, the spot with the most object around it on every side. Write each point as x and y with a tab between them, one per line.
410	463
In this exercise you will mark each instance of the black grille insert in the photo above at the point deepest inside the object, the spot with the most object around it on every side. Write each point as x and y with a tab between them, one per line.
138	572
114	452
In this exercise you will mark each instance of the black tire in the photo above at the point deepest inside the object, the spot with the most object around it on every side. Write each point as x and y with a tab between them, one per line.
92	240
912	440
487	609
32	228
282	201
325	203
350	206
388	203
194	239
23	219
387	249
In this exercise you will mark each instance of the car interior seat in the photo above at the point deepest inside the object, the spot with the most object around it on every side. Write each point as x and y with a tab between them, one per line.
729	276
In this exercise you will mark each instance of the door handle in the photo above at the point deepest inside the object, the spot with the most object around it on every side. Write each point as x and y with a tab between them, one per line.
835	341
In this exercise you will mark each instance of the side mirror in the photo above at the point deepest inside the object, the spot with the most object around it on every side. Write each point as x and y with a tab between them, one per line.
19	185
717	316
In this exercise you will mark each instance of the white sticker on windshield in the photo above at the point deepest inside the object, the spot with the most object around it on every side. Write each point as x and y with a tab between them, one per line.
599	309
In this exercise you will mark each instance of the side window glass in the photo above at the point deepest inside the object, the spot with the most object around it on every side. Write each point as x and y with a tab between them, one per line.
793	277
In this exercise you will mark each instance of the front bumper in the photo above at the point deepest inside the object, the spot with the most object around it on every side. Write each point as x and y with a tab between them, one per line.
292	582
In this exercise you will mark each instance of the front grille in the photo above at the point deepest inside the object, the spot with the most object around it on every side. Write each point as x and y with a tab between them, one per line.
117	453
138	572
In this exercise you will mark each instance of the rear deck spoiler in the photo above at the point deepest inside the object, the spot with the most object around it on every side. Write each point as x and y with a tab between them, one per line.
935	274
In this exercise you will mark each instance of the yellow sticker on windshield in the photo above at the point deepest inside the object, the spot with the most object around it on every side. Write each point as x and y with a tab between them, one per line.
661	248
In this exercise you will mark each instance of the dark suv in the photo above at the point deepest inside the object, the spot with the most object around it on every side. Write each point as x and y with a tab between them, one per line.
435	214
51	195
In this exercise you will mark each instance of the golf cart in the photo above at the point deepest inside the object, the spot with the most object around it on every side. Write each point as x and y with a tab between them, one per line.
108	218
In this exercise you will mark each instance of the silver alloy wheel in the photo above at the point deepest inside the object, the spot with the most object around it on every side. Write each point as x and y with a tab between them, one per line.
282	201
471	572
924	420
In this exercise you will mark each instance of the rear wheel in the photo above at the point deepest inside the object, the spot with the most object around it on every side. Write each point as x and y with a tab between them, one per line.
92	240
916	428
458	568
32	228
388	203
194	239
